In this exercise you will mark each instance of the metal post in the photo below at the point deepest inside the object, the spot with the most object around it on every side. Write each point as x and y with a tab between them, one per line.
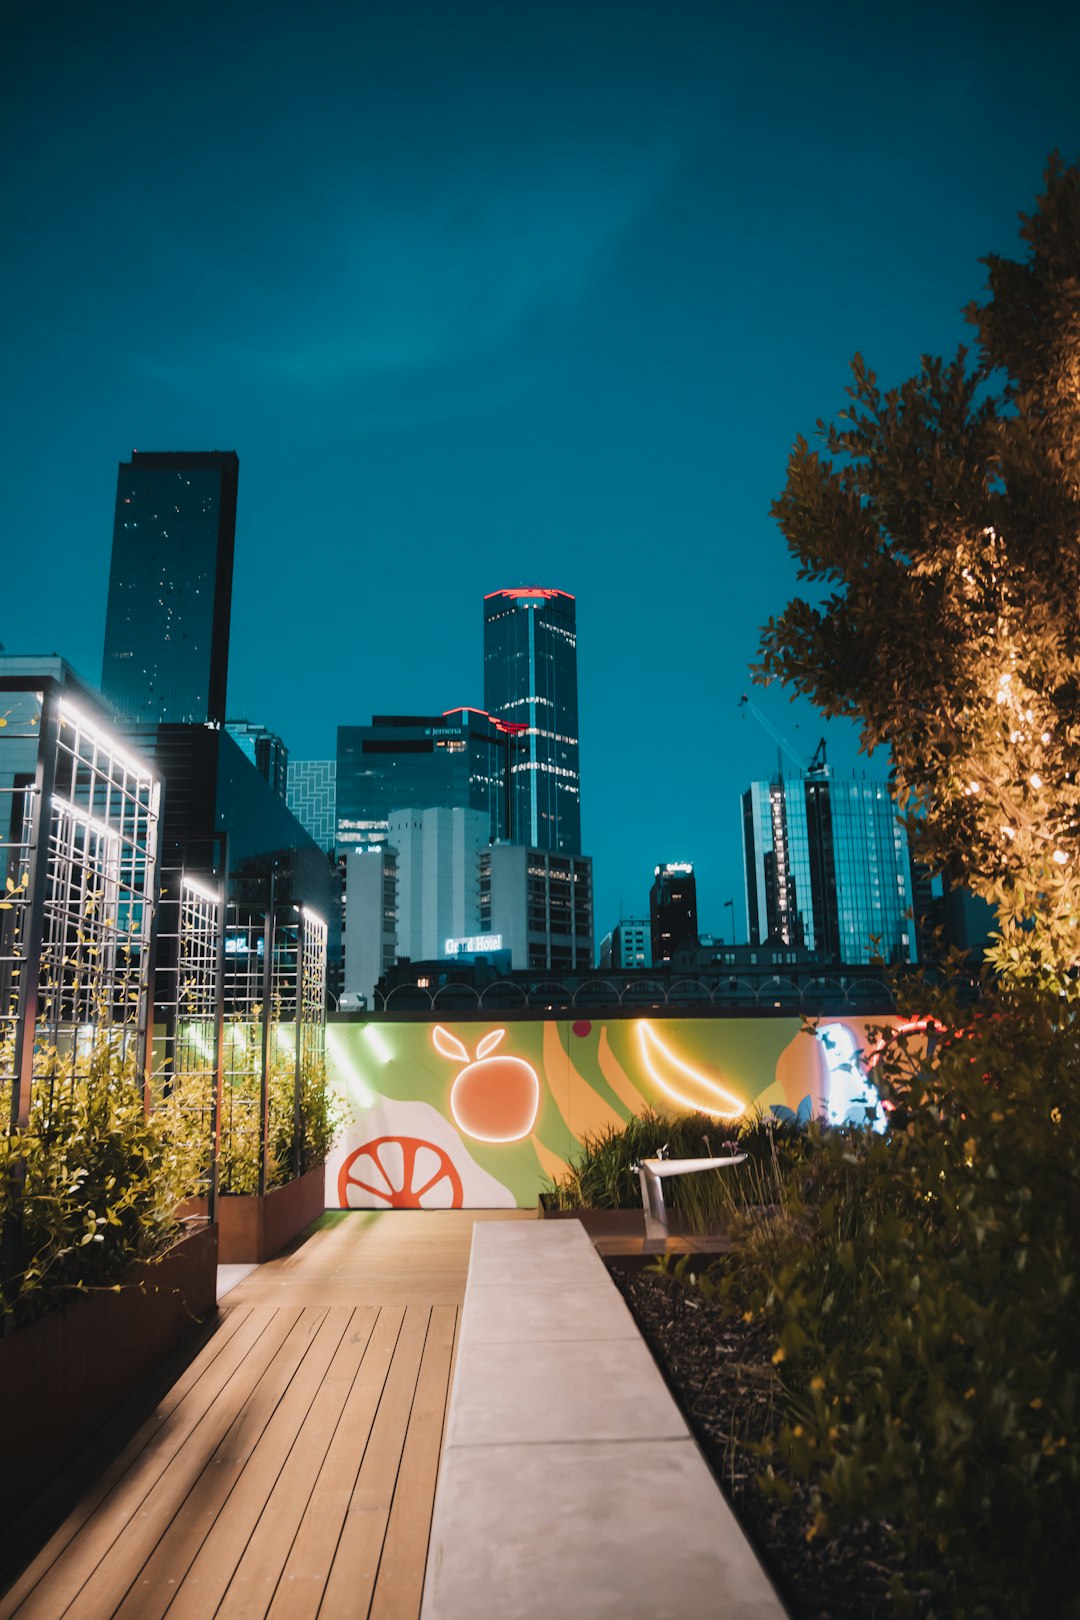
34	930
217	1106
268	990
148	959
298	1112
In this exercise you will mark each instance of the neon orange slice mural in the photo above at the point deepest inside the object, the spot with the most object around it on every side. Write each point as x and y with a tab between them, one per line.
400	1171
493	1099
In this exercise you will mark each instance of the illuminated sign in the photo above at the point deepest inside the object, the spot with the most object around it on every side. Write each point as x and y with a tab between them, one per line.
470	944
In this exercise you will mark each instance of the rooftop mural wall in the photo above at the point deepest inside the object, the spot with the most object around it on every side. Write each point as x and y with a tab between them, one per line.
483	1116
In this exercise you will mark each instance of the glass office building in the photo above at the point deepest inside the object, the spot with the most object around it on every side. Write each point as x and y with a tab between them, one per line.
265	750
530	679
827	868
457	760
170	586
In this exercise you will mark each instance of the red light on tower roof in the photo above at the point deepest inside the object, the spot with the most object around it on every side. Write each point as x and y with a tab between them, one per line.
514	727
530	590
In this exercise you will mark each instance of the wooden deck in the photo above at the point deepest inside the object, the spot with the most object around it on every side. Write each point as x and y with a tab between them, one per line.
290	1471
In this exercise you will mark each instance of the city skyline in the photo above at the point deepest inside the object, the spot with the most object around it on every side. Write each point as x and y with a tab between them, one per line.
486	300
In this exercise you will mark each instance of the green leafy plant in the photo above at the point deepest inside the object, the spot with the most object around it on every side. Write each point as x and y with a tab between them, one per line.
925	1290
241	1134
92	1184
937	525
604	1174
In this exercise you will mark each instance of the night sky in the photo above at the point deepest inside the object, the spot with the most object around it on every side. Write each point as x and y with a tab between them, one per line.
490	295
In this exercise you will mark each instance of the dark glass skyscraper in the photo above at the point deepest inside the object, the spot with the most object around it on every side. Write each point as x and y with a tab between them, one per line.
673	910
530	678
170	586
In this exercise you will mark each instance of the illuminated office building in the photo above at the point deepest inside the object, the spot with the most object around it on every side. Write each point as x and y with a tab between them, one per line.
438	870
457	760
827	868
370	932
672	910
530	679
538	906
170	587
631	944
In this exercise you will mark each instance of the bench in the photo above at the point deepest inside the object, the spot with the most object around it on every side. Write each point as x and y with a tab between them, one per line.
651	1172
569	1483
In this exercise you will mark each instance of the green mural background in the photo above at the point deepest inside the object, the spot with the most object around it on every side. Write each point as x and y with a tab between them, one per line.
398	1082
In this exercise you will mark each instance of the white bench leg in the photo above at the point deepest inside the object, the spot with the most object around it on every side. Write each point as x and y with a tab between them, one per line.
652	1203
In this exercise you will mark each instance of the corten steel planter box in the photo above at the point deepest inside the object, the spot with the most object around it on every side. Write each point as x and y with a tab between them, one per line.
66	1374
254	1228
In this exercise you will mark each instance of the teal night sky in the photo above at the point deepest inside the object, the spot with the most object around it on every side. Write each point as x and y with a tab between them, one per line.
487	295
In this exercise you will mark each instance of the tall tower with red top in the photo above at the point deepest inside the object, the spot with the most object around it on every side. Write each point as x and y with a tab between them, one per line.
530	679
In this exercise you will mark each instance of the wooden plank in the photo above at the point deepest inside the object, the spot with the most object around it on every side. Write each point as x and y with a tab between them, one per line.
382	1257
303	1579
24	1536
124	1488
251	1589
226	1429
222	1504
154	1427
356	1561
400	1582
138	1494
190	1567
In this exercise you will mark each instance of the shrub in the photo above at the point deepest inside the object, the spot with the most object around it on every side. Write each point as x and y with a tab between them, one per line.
604	1174
319	1122
926	1290
91	1185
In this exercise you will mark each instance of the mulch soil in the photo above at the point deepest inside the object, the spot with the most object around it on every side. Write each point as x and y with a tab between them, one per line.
719	1369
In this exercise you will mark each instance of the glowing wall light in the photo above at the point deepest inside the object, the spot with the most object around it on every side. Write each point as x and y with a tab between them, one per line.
355	1083
851	1100
377	1044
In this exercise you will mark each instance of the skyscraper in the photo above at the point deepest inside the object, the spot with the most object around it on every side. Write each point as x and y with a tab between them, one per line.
459	759
530	678
827	868
170	586
266	752
672	910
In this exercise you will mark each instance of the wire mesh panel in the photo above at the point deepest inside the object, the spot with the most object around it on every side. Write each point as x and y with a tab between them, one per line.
80	858
274	1043
187	1010
313	983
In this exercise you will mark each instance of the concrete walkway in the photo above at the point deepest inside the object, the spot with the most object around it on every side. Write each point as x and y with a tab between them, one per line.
570	1484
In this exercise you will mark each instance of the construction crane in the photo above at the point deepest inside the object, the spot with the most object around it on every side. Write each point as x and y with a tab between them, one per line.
817	766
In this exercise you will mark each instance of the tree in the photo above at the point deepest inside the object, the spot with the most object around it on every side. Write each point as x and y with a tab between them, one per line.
941	526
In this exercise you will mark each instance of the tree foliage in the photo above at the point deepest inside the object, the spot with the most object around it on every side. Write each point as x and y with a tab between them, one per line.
941	526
